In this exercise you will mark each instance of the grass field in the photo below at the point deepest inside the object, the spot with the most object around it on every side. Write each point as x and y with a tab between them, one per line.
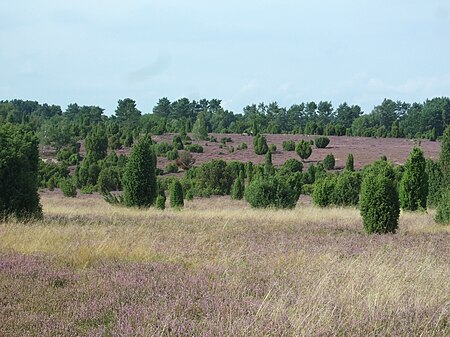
219	268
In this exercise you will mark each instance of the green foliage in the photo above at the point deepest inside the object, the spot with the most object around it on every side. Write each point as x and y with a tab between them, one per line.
19	163
172	155
288	145
195	148
200	129
443	208
177	143
109	180
68	188
323	194
272	148
413	189
171	168
435	182
379	203
243	146
349	164
260	144
213	178
270	192
444	157
185	160
97	144
163	148
268	158
161	202
303	149
290	166
237	190
88	189
347	189
322	142
176	194
139	180
329	162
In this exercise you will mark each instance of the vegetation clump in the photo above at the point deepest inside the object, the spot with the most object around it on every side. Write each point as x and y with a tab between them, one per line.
303	149
413	189
322	142
329	162
176	195
260	144
379	202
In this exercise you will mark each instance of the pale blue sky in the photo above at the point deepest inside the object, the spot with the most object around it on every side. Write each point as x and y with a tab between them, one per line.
243	52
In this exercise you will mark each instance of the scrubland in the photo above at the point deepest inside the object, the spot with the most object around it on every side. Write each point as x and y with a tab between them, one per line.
219	268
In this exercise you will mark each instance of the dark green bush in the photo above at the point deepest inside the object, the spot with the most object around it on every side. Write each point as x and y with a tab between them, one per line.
379	202
109	180
349	165
161	202
288	145
68	188
270	192
260	144
195	148
176	194
290	166
172	155
272	148
413	189
347	189
171	168
435	182
19	165
329	162
139	180
322	142
177	143
243	146
163	148
237	190
303	149
323	194
213	178
443	208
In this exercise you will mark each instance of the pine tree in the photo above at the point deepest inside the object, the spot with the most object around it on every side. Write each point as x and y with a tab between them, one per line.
414	183
97	144
139	179
176	194
19	161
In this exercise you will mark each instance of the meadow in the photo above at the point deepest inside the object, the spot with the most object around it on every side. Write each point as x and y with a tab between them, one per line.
220	268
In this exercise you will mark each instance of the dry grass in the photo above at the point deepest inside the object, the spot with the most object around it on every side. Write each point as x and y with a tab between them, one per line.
306	271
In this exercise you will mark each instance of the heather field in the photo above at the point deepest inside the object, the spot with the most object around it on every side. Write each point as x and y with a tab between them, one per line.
219	268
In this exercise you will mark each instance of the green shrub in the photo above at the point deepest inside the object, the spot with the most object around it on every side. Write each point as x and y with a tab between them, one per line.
323	194
347	189
185	161
272	148
200	129
163	148
443	208
109	180
195	148
413	189
237	190
243	146
88	189
176	194
139	180
379	202
303	149
68	188
435	182
290	166
270	192
172	155
225	140
177	143
322	142
19	165
161	202
329	162
349	164
288	145
260	144
171	168
213	177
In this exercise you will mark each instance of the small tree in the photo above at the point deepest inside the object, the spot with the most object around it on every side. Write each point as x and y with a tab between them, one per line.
176	195
322	142
19	162
139	180
413	189
161	202
303	149
349	165
97	144
288	145
68	188
237	190
260	144
443	208
200	129
379	203
270	192
268	158
329	162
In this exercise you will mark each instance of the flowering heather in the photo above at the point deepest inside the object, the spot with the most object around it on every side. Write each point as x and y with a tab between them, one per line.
218	268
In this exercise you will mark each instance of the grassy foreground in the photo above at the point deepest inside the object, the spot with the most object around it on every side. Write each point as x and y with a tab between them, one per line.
218	268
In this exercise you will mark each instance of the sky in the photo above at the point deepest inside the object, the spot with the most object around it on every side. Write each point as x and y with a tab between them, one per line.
242	52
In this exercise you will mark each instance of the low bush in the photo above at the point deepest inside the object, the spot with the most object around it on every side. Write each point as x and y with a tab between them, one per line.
68	188
322	142
329	162
194	148
288	145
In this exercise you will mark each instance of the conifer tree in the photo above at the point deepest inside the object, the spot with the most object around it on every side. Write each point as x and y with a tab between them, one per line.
176	194
237	190
413	189
303	149
349	165
139	180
